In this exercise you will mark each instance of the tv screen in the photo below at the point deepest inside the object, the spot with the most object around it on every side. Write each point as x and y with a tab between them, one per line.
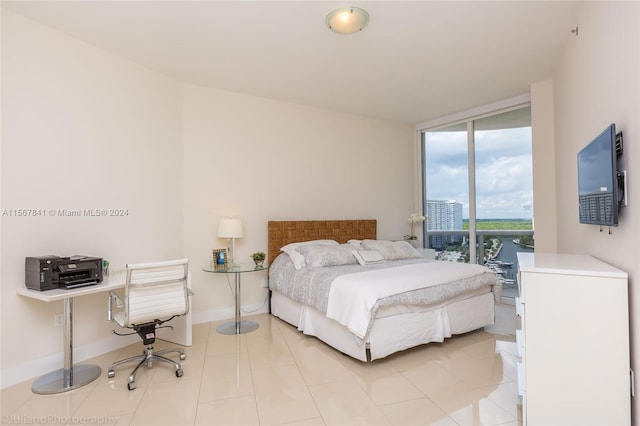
597	180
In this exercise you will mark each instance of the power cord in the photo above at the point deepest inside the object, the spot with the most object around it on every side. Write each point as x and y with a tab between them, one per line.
266	298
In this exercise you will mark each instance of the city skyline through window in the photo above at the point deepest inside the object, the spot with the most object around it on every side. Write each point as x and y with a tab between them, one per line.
478	192
502	165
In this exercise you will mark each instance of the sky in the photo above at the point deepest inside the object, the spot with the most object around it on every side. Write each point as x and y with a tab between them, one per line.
504	188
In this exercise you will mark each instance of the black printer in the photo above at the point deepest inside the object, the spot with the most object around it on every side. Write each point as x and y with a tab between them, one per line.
50	272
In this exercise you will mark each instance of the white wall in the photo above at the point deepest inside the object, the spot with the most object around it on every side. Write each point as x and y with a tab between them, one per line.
81	129
260	159
543	159
84	129
598	83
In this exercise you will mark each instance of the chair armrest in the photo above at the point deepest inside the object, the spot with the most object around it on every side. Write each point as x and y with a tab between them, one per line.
113	296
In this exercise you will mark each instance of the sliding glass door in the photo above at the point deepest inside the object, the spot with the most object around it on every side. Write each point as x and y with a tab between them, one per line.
478	194
446	197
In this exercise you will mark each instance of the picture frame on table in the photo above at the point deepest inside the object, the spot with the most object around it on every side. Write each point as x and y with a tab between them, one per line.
220	258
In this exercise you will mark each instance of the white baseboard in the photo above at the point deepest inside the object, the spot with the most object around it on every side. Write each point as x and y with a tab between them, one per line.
37	367
222	314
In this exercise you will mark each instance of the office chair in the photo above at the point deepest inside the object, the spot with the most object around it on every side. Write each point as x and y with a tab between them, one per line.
154	293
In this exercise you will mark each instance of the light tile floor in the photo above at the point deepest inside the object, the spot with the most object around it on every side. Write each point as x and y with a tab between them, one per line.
277	376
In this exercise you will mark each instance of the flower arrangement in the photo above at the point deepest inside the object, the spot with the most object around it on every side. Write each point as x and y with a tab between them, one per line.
413	218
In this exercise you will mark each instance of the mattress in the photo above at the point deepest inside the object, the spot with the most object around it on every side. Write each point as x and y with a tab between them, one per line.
405	286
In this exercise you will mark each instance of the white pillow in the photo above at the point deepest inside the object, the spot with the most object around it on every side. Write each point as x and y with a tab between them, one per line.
298	259
319	255
357	244
392	250
365	257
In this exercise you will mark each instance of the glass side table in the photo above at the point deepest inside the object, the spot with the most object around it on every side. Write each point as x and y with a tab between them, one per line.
237	326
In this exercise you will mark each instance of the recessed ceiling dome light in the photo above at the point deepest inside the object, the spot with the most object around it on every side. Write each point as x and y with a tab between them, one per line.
347	20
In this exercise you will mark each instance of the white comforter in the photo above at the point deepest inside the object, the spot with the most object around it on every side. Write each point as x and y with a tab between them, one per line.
352	297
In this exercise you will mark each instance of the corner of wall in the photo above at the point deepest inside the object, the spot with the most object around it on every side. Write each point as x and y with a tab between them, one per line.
544	169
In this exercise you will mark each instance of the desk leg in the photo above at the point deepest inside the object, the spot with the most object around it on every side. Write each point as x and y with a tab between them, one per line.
238	303
71	376
238	326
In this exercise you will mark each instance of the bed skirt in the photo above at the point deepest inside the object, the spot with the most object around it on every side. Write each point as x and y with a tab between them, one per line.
394	329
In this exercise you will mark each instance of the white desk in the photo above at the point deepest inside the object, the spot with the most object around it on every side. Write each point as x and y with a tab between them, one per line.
71	376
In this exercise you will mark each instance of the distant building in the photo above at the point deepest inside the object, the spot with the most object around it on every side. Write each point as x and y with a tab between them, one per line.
443	216
596	207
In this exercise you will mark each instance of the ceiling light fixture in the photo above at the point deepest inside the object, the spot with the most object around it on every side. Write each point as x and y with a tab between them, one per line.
347	20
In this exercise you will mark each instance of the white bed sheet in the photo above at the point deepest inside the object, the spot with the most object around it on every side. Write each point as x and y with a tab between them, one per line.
353	296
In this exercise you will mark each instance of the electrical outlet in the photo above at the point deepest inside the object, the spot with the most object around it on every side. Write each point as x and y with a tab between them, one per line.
58	320
265	282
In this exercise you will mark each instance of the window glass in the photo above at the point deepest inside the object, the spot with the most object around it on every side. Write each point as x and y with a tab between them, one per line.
501	192
446	191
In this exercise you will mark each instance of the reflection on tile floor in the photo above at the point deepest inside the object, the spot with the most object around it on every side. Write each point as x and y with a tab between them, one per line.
277	376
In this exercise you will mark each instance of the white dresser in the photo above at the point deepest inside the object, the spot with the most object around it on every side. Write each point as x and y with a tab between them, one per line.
574	341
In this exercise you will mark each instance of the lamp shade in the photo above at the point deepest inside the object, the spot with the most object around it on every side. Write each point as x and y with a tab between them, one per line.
230	228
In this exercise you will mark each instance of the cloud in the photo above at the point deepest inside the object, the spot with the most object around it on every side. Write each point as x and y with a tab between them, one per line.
503	171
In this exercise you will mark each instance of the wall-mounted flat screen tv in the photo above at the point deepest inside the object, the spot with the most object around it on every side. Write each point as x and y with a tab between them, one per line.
598	180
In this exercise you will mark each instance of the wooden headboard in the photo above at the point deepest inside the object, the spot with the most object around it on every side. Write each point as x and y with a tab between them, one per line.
281	233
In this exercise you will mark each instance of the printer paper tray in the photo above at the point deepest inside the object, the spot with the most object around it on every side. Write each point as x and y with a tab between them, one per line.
76	285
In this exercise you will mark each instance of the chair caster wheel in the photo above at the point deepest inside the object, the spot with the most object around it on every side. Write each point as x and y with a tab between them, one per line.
131	386
179	372
111	374
183	357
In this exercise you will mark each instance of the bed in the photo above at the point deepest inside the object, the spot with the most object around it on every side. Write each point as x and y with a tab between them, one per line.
389	299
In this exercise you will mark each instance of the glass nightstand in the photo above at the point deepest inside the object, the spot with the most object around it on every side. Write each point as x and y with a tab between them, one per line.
237	326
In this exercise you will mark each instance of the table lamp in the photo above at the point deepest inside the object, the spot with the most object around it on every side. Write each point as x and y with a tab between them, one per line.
230	229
